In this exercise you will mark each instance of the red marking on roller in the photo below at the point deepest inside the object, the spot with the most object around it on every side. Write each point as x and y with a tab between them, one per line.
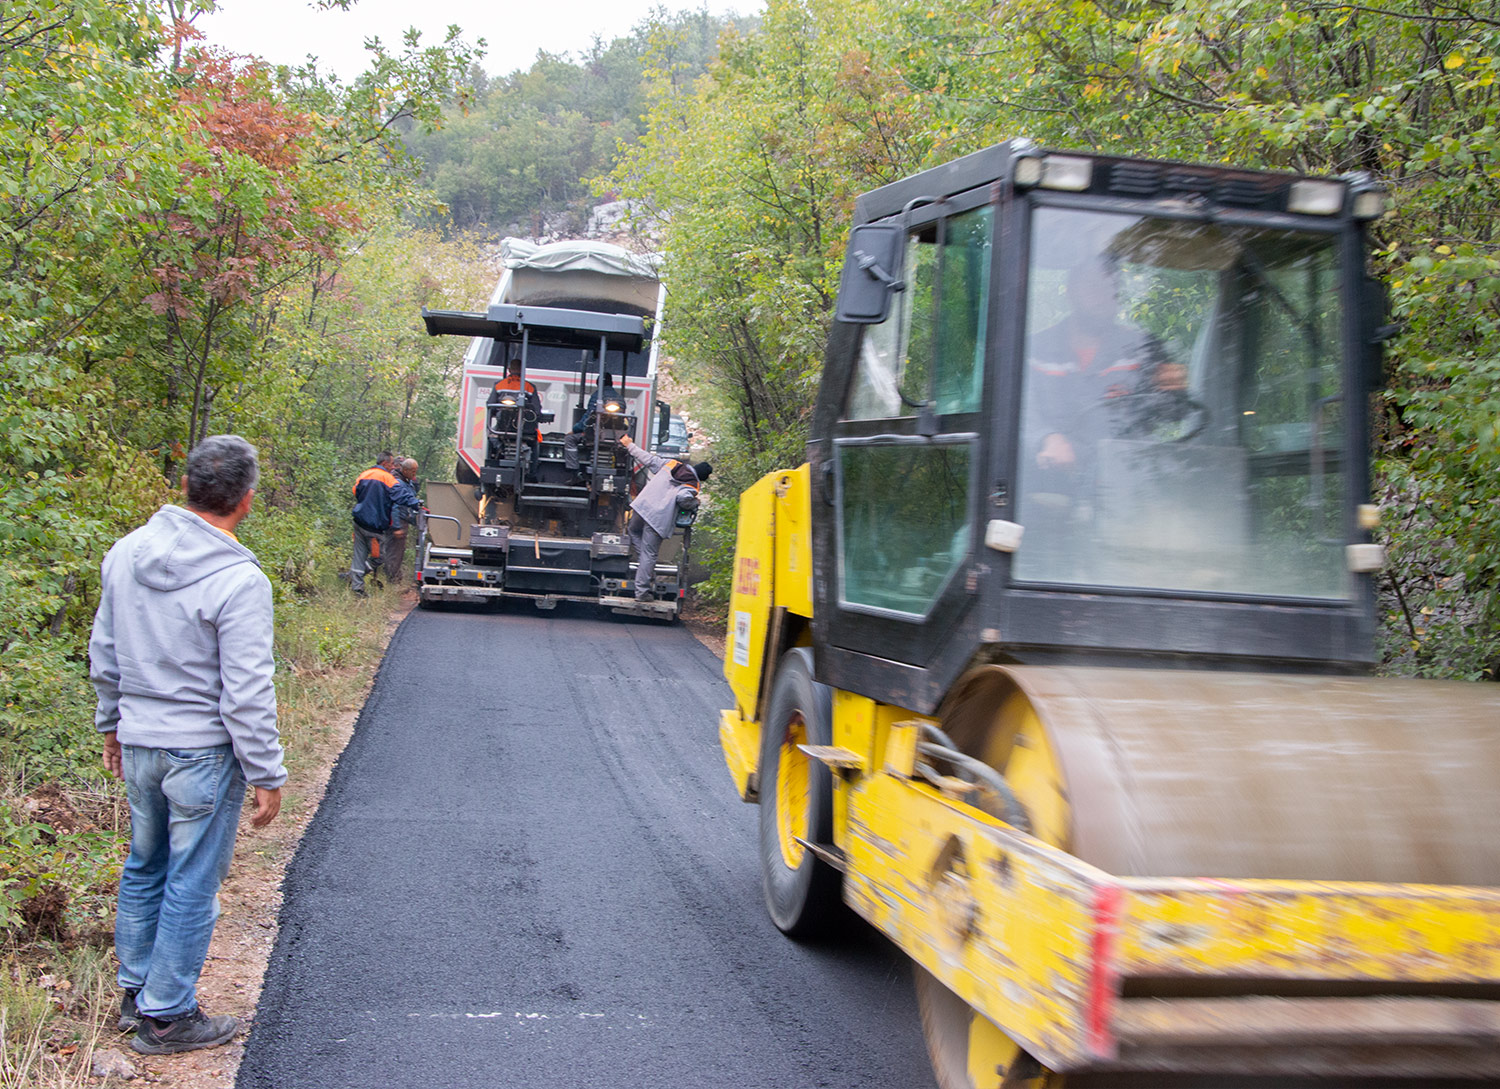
1104	975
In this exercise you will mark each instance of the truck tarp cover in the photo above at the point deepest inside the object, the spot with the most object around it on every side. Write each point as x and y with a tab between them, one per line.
578	256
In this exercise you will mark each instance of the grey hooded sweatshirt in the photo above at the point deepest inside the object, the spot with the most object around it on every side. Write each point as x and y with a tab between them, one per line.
659	499
181	649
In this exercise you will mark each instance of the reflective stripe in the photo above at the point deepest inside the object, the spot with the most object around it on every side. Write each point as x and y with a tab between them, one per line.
377	473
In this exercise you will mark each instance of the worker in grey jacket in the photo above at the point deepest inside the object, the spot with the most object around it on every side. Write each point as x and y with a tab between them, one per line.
181	659
674	486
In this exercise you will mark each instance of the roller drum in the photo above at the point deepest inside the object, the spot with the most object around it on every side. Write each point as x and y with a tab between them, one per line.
1163	773
1232	775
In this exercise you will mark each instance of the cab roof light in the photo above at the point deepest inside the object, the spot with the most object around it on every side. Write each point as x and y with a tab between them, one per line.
1028	171
1067	172
1369	204
1026	167
1316	198
1369	196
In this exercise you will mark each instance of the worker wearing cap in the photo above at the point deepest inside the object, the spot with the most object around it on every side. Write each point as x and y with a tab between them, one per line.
674	486
375	495
406	512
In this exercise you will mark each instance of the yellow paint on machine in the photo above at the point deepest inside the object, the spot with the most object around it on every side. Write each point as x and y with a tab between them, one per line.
794	527
740	739
1044	944
772	568
1413	933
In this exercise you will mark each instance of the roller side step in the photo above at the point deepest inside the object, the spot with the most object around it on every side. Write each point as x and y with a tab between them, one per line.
828	853
835	756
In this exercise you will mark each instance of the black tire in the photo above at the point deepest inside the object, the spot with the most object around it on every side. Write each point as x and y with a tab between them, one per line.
462	474
803	899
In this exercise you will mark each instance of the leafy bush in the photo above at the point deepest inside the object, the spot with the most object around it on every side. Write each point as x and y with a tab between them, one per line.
47	714
296	550
73	874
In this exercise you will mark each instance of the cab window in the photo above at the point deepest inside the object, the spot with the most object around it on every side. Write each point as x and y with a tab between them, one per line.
904	522
931	346
906	510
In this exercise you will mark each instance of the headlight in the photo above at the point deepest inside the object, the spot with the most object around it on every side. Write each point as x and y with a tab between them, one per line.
1369	204
1369	195
1028	171
1067	172
612	406
1316	198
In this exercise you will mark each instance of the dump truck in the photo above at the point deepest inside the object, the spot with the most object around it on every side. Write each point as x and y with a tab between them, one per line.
523	518
1054	661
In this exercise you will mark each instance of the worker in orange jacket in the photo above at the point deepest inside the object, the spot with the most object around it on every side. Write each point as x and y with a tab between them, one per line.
512	383
375	494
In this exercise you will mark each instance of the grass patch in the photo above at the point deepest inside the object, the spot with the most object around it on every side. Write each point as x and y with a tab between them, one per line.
57	1007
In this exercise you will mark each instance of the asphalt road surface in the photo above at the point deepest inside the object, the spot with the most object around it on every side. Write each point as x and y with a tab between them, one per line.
531	870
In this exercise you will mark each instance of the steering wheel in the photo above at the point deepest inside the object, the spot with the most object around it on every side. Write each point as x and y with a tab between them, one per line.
1161	415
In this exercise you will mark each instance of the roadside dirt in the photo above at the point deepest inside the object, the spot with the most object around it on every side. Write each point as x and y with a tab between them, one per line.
250	905
707	626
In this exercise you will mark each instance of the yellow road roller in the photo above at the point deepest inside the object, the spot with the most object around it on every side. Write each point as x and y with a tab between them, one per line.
1053	661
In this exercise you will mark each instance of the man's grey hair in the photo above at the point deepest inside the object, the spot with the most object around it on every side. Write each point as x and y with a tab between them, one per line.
220	470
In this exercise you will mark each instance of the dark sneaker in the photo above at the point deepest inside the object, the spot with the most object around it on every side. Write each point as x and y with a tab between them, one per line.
130	1017
646	597
190	1033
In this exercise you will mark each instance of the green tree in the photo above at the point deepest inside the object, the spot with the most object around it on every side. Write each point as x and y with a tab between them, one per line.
521	152
752	168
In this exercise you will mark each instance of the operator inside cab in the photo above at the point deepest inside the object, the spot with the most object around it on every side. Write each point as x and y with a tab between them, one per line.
582	433
502	401
1102	392
1090	357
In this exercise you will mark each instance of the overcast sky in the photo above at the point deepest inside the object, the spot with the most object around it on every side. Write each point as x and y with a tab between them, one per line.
286	31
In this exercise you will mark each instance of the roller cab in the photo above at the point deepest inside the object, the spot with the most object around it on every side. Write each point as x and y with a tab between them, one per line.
1052	661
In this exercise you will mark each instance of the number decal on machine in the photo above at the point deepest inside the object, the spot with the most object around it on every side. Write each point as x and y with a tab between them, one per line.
747	579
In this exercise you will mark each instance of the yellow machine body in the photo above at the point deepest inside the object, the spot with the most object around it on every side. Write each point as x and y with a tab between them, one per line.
772	582
1223	872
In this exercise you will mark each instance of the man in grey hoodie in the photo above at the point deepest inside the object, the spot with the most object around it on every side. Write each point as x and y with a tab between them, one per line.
673	485
181	659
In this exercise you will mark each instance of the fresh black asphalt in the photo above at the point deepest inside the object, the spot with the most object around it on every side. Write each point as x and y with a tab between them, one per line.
531	870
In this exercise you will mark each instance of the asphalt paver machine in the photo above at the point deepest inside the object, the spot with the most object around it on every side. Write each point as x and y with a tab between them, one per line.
531	526
1053	661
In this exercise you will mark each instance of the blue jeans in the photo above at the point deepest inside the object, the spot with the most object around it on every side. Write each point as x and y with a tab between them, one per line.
184	812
